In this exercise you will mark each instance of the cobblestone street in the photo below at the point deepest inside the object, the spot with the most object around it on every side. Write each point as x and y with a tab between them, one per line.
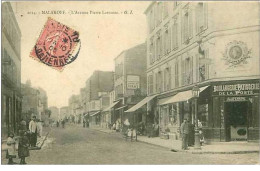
76	145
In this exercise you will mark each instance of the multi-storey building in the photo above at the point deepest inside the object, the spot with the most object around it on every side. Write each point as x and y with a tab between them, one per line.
130	80
55	114
64	112
35	102
11	99
100	82
214	45
75	108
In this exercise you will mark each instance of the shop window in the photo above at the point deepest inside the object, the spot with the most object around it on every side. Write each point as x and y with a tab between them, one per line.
203	114
173	115
187	76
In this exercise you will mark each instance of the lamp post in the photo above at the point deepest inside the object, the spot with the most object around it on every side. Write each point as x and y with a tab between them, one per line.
195	95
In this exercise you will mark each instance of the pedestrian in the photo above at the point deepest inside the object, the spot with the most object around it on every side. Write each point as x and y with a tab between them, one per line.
58	124
23	148
33	131
63	123
10	154
23	124
84	122
184	134
39	127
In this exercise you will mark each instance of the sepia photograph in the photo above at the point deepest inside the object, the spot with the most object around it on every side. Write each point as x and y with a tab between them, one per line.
130	82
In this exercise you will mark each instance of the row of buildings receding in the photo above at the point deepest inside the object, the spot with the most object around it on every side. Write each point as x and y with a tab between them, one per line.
108	94
214	45
18	101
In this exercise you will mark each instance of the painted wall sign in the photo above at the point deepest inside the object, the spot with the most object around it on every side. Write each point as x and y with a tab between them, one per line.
133	82
236	53
236	89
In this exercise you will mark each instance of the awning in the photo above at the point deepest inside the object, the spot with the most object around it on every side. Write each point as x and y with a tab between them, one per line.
111	106
182	96
141	103
162	101
95	113
120	107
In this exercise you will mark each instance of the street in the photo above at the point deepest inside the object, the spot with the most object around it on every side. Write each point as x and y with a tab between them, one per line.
77	145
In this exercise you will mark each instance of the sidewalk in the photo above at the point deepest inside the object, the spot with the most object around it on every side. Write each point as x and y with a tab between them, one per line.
214	148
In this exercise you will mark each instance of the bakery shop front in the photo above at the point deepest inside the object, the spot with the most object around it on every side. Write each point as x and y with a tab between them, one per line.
235	111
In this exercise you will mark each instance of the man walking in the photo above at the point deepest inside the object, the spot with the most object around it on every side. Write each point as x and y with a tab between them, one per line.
33	131
184	134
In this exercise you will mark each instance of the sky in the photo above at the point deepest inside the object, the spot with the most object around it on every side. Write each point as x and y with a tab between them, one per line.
103	37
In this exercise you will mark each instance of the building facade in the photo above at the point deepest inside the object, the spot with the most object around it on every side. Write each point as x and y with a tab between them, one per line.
55	113
130	81
194	43
64	112
11	99
97	85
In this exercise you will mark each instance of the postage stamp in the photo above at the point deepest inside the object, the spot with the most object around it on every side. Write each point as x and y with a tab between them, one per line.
57	45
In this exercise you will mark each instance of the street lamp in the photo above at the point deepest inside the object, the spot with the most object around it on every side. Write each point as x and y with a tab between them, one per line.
195	95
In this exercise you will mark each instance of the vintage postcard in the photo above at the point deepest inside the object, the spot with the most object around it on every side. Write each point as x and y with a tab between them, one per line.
130	82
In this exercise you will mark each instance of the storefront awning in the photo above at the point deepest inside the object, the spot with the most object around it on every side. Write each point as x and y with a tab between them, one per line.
181	96
111	106
141	103
95	113
120	107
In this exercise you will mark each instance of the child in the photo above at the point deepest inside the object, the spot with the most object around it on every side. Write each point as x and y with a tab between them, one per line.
23	150
10	148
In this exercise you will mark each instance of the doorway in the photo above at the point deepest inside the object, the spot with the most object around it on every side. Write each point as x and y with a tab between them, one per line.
236	121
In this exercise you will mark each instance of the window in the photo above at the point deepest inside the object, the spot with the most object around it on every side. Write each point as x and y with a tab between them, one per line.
201	17
176	74
151	20
159	13
150	84
165	9
158	77
158	46
175	33
187	71
167	41
151	51
167	79
187	25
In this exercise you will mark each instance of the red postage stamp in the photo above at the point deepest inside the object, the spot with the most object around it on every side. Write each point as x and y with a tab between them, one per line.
57	45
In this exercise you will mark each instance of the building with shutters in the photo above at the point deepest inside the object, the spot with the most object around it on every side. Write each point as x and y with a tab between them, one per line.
195	43
11	98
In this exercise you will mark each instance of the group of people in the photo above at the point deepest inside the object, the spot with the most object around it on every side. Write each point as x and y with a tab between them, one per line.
187	133
27	138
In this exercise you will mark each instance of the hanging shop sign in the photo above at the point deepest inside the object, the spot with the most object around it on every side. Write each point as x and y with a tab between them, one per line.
133	82
236	89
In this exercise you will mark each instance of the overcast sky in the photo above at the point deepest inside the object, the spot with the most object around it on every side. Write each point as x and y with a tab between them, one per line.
103	37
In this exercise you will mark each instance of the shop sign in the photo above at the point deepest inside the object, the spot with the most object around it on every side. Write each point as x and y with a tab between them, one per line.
133	82
236	99
236	89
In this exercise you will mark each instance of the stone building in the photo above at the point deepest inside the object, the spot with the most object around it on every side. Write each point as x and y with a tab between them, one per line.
130	82
11	99
214	45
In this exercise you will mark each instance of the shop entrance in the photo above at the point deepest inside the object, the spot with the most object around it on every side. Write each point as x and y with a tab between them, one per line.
236	121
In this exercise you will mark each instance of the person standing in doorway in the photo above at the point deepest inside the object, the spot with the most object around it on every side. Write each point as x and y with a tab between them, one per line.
184	134
33	131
